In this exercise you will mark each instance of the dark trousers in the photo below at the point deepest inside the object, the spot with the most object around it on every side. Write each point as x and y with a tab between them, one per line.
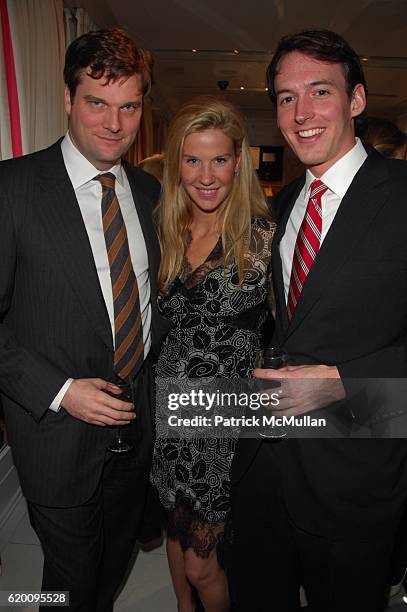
87	548
399	561
272	557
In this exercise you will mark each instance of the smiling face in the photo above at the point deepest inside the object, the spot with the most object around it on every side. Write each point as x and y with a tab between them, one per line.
207	169
104	118
314	111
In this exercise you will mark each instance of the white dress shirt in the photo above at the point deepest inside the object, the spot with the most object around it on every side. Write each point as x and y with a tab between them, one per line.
89	196
338	179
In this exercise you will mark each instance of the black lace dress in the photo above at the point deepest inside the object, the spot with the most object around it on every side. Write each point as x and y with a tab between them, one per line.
216	333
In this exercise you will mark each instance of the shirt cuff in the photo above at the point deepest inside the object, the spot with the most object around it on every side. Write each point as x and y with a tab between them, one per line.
56	404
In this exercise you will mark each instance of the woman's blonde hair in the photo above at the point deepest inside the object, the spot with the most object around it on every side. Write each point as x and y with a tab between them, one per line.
245	200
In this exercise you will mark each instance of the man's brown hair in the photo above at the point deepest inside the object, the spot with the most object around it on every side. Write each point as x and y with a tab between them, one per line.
109	53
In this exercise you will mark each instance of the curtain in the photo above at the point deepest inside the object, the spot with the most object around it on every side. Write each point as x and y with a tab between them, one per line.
6	148
77	22
151	135
160	133
37	28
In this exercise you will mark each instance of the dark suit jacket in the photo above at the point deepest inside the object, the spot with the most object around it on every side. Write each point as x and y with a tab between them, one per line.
353	314
54	322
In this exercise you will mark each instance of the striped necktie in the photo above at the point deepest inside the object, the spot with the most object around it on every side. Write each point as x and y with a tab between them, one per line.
307	245
129	348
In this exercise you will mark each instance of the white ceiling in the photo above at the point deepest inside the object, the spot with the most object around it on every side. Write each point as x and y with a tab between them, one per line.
377	29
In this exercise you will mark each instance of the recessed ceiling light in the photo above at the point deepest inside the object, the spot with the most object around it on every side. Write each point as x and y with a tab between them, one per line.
193	50
364	58
241	87
236	51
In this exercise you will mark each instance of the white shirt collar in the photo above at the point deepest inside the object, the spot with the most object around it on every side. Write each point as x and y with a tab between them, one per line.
339	176
80	170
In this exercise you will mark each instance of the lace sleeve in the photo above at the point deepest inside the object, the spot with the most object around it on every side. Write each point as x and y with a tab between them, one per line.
260	248
271	295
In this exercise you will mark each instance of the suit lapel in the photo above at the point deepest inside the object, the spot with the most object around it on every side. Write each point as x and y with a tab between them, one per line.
66	231
287	202
144	206
360	205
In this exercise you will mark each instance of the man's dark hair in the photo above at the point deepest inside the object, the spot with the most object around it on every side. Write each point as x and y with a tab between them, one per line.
109	53
322	45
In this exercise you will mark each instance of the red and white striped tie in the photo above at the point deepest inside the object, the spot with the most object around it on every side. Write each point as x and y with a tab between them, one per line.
307	245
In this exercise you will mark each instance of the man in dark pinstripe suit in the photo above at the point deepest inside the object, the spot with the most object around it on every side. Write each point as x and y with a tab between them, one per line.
57	331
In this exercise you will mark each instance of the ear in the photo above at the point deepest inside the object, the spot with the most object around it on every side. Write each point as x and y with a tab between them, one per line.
358	100
67	101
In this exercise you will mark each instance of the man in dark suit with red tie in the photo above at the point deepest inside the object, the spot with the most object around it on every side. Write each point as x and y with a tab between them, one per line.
323	512
79	259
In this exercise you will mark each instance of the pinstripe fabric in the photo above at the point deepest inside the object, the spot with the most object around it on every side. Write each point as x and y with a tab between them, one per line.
129	354
55	325
307	245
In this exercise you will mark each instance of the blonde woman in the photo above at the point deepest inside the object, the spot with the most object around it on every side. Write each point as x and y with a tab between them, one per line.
215	236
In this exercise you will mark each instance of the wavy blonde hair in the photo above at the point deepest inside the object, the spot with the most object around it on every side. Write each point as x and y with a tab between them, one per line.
174	211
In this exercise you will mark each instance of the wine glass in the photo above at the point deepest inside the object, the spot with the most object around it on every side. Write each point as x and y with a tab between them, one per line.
274	358
119	444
